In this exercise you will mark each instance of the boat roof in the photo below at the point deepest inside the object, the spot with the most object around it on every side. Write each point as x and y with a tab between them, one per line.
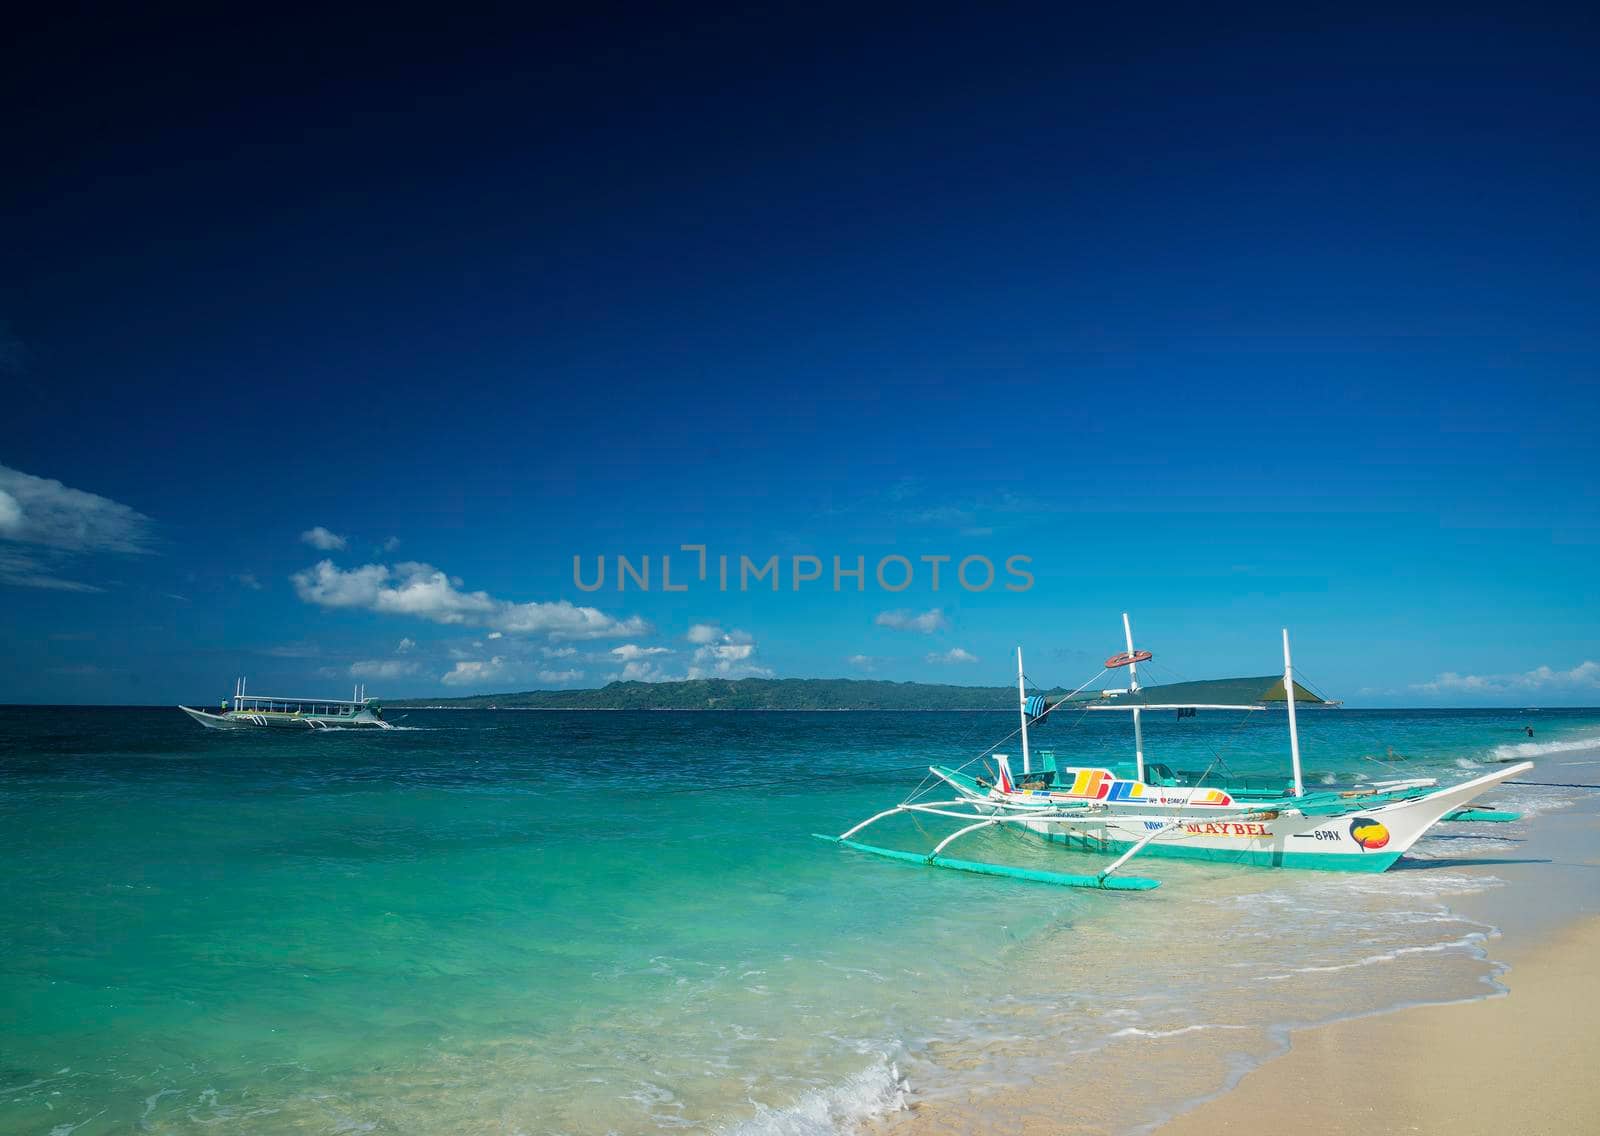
1256	693
318	701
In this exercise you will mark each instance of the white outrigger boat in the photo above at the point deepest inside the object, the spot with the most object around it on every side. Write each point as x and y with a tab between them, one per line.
1149	810
254	712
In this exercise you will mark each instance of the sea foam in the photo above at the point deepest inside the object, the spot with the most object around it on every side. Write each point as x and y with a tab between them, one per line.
1522	751
875	1090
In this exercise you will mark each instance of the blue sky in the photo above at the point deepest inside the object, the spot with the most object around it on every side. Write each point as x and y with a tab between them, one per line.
1275	320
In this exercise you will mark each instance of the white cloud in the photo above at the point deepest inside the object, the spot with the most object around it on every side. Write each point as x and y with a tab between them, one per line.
28	572
10	514
717	654
724	654
711	633
406	644
926	623
495	635
63	522
248	580
424	592
1584	676
328	586
319	537
383	668
863	662
564	620
38	510
469	671
558	652
642	670
630	651
953	655
391	544
728	656
560	676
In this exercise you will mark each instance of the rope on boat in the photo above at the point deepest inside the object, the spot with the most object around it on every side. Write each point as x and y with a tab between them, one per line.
1367	731
928	776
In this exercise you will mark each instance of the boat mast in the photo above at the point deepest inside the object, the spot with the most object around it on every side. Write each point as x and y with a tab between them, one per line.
1022	710
1133	688
1294	733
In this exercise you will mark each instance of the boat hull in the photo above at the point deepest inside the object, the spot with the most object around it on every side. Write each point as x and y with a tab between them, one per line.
272	721
1260	854
1359	839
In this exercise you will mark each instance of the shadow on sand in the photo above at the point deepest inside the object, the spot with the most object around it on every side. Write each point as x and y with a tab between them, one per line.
1406	864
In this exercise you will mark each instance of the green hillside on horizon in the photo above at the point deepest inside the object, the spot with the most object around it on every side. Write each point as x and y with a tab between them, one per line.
743	694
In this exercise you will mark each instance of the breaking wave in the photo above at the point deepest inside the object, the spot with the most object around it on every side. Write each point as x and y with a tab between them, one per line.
876	1090
1523	750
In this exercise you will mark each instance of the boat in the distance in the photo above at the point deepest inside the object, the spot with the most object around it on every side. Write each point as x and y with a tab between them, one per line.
257	712
1148	810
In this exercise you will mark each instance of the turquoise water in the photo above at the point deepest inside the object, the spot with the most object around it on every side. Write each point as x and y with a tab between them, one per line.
606	922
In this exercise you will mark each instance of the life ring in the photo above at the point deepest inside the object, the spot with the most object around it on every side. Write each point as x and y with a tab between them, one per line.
1128	657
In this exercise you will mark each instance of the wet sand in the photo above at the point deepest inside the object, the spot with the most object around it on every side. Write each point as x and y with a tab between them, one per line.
1519	1063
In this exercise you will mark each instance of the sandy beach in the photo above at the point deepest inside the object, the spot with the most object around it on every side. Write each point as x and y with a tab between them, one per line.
1519	1063
1520	1059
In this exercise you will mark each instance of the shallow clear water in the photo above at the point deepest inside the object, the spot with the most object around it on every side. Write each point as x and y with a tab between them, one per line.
607	922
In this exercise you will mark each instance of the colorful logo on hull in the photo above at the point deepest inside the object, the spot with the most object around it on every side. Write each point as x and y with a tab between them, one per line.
1368	833
1103	785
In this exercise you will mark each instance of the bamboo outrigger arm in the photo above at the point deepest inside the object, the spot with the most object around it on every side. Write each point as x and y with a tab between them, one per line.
1008	813
1104	880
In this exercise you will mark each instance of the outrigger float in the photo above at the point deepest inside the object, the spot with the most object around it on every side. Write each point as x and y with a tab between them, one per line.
254	712
1149	810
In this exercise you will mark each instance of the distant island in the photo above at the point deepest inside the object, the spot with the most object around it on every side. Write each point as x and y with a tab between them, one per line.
740	694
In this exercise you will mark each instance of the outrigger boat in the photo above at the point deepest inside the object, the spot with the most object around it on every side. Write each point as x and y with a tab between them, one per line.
1149	810
251	711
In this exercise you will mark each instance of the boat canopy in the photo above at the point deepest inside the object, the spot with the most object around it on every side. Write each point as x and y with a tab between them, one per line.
264	699
1207	694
